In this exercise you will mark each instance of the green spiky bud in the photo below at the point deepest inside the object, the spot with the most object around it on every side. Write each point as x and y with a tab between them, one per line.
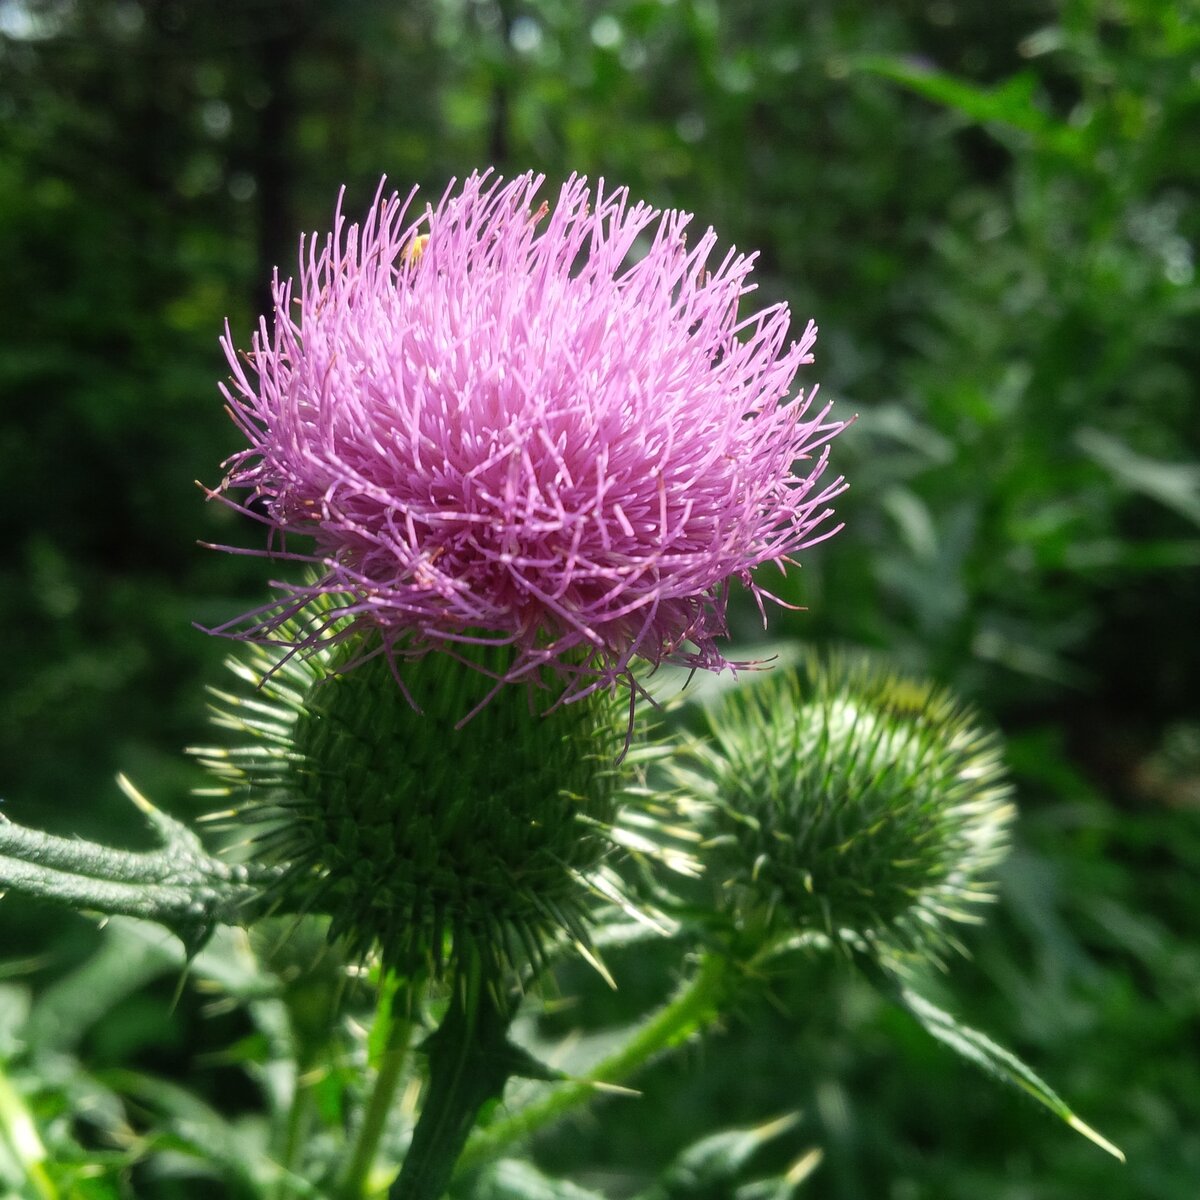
415	830
842	797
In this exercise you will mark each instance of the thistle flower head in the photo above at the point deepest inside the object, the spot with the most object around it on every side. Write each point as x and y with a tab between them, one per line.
540	425
845	798
420	838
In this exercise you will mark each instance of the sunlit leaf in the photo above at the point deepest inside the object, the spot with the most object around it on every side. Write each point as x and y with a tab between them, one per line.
994	1060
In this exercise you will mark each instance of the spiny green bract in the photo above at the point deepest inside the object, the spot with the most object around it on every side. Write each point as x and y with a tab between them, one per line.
413	834
842	797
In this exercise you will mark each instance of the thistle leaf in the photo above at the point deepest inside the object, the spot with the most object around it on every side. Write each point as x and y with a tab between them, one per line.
1002	1064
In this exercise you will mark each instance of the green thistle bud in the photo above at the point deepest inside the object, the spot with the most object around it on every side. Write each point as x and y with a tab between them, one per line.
845	798
415	831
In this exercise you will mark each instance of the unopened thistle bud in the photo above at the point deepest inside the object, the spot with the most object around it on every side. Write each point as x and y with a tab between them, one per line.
416	831
844	798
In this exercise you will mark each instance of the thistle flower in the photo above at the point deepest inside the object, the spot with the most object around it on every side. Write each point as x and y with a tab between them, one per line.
544	427
845	798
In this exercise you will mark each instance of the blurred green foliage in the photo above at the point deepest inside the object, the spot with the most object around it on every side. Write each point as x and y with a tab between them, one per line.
992	211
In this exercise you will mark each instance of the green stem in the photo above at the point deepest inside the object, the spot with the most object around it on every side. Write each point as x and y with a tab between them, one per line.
197	902
470	1060
298	1123
695	1005
103	862
387	1079
178	885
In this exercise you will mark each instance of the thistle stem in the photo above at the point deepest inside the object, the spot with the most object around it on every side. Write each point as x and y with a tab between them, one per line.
470	1060
299	1120
694	1006
194	903
179	885
387	1079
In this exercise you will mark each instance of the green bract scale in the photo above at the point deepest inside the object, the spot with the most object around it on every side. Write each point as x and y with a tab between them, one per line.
416	831
842	797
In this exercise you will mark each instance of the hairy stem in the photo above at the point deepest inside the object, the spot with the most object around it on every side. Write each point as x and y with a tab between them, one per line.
470	1060
178	885
694	1006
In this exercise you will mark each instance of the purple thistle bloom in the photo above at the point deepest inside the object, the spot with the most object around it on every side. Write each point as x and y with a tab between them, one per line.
545	427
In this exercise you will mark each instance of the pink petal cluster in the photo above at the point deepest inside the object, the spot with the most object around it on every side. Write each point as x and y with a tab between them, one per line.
545	426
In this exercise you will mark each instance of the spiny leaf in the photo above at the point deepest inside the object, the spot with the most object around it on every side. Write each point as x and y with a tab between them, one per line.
785	1186
998	1062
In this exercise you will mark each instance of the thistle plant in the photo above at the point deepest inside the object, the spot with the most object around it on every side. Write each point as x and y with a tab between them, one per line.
522	450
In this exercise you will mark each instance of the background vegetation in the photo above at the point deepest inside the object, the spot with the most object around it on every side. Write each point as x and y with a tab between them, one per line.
991	211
